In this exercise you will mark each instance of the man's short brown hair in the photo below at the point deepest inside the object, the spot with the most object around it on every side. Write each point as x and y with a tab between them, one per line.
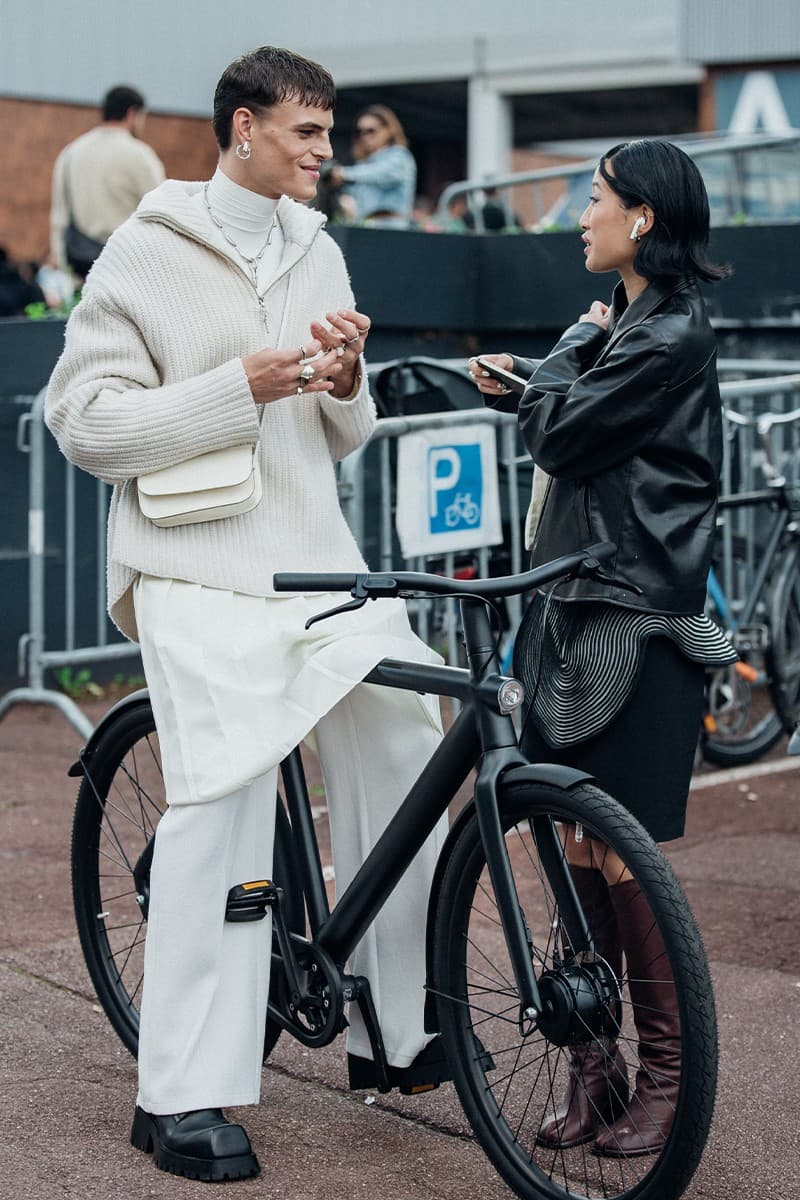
265	77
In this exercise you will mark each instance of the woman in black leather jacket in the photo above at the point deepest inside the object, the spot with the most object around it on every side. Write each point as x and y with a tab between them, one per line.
624	417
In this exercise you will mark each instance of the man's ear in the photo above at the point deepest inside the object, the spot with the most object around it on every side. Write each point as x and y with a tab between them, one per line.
242	125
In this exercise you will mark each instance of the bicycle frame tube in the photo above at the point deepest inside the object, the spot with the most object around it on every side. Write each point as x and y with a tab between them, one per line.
405	834
479	731
767	561
308	864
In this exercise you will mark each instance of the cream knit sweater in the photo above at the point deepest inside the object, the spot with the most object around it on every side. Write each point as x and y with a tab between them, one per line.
109	171
152	375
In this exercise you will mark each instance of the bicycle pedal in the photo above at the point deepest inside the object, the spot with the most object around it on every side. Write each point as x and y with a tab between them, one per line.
250	901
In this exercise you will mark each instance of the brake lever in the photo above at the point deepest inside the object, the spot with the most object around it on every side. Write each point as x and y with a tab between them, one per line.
360	596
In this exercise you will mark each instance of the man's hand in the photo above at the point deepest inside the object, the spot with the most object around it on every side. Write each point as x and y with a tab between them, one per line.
274	374
345	336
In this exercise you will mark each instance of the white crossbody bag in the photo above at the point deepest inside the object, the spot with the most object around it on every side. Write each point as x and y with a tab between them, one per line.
222	483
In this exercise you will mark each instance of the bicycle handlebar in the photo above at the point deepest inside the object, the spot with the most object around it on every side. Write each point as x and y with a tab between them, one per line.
762	421
763	424
396	583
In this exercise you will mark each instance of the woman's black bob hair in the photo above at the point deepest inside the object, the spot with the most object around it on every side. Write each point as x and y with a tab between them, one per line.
660	175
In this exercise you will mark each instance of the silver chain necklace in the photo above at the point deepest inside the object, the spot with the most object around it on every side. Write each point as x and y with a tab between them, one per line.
251	261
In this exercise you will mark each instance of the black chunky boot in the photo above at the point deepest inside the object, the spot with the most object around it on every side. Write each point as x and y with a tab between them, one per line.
199	1145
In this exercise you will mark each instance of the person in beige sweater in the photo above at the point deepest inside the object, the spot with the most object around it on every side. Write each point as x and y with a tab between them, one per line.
99	179
221	315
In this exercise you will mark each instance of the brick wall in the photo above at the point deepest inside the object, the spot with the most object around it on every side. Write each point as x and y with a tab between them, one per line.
33	132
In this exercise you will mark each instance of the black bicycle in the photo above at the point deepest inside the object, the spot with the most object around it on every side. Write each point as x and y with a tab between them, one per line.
753	703
518	983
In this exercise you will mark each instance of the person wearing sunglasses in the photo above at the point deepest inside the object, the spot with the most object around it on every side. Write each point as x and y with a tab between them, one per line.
382	181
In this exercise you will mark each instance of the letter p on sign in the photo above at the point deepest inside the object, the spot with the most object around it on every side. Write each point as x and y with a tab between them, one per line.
444	469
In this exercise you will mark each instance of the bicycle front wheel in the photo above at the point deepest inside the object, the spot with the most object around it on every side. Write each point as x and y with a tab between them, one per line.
120	801
512	1082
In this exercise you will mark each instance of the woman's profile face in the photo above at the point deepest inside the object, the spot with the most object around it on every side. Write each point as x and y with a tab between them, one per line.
607	227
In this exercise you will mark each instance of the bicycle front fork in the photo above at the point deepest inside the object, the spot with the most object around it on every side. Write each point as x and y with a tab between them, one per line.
519	939
515	929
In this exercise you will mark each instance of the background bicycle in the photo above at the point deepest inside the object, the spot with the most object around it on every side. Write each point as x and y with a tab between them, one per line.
754	594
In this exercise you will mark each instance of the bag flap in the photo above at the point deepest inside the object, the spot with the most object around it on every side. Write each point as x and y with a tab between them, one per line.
217	469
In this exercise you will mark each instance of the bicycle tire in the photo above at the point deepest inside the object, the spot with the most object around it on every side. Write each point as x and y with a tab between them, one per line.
117	810
785	625
766	734
509	1085
740	724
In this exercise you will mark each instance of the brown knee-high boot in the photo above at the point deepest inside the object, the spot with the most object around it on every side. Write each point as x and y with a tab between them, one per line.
644	1127
597	1089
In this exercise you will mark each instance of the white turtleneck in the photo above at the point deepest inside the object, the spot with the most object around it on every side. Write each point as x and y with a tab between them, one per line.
246	218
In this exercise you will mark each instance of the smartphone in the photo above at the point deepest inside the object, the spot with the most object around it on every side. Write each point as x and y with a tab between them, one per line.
515	383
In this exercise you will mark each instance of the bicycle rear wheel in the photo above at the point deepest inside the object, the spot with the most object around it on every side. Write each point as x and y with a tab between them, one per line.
785	624
120	801
511	1084
740	723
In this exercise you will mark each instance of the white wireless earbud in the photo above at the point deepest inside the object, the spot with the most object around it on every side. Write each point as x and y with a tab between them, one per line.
637	225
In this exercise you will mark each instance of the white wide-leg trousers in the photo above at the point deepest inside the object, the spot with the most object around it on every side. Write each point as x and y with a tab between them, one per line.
204	1000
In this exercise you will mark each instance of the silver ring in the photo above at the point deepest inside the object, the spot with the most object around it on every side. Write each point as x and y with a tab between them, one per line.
340	350
352	339
302	353
307	373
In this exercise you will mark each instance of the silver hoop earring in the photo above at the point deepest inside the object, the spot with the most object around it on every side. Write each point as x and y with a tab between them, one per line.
243	151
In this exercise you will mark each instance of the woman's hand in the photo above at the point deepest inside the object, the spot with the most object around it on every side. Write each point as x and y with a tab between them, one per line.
483	380
598	314
345	336
273	374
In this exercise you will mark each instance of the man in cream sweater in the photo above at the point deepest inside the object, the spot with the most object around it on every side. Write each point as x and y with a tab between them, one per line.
99	179
221	315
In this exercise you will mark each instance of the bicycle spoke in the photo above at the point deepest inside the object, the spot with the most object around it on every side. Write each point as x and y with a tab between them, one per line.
520	1092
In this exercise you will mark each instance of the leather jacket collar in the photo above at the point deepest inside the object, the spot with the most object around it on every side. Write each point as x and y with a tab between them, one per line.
625	315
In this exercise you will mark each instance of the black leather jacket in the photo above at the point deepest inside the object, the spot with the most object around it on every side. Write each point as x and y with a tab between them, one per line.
628	423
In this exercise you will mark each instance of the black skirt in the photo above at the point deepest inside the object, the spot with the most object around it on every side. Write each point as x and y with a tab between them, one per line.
644	757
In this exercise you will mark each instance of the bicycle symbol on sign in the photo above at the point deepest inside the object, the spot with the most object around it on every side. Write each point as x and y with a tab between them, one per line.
462	511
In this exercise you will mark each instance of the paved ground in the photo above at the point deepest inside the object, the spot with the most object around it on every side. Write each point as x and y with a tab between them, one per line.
67	1085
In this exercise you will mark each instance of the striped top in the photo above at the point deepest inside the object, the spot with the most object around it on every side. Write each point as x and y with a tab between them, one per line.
579	661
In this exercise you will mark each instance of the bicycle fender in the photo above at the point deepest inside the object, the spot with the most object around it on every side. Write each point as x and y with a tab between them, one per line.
551	774
142	696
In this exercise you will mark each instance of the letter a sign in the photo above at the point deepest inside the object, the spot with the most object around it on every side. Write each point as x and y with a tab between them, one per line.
447	494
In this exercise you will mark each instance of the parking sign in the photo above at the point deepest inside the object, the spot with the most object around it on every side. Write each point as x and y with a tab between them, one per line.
455	487
447	496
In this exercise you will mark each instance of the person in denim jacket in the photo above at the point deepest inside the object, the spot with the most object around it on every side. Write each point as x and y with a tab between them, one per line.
382	181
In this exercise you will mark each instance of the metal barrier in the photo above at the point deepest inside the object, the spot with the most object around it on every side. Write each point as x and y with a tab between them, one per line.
743	458
734	167
433	619
33	658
